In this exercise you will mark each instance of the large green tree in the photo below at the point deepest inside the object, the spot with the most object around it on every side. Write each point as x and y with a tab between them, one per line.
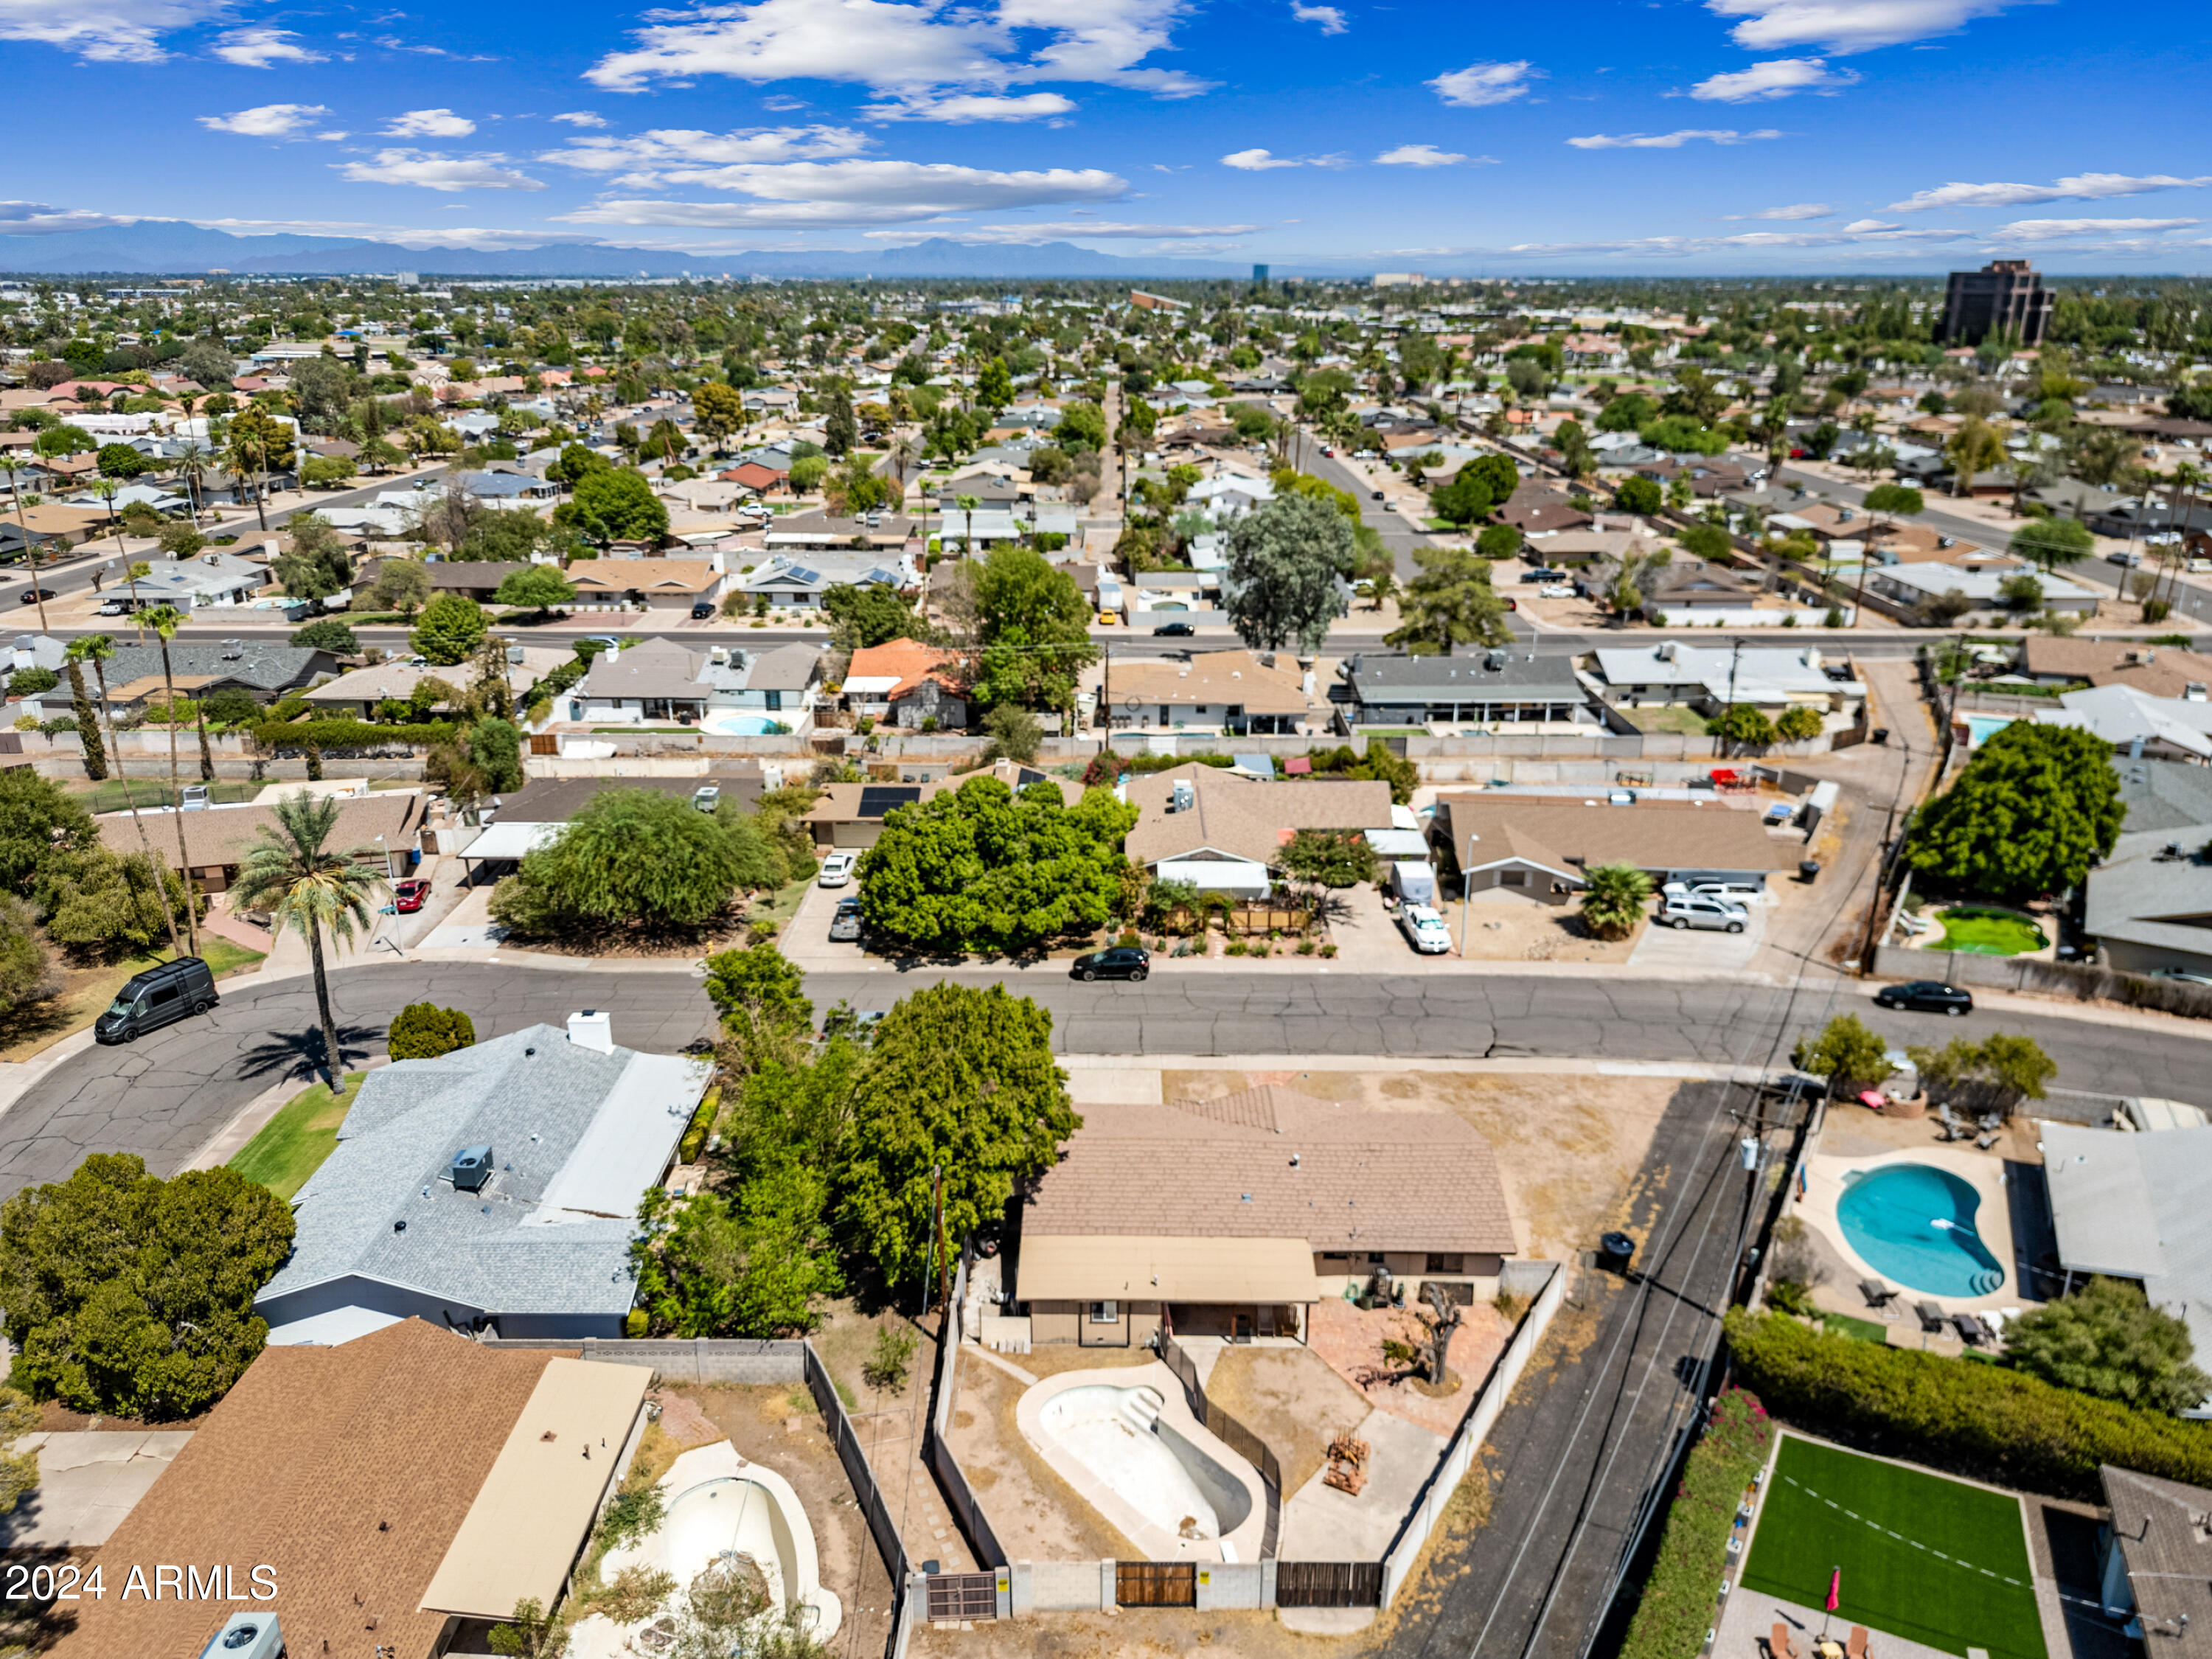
539	588
1286	558
133	1296
1033	625
2048	542
982	868
2034	809
1451	602
451	628
2107	1339
960	1080
37	819
614	504
870	615
636	857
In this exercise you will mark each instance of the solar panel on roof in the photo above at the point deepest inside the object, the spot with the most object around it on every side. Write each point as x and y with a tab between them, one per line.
800	572
878	799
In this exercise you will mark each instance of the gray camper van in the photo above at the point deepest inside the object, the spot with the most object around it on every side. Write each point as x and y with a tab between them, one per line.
156	998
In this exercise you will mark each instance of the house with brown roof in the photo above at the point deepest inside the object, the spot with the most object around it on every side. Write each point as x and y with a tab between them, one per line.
1507	847
1217	691
1536	509
905	683
2158	670
656	584
1279	1200
216	838
390	1497
1224	833
851	816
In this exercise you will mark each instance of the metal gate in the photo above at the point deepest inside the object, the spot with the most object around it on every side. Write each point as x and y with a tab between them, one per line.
1328	1584
956	1595
1155	1584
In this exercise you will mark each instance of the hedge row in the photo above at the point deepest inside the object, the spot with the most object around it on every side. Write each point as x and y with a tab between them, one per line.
1980	1420
340	733
1679	1600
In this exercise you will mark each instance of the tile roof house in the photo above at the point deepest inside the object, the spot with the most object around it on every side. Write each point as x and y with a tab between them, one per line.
1230	690
1204	825
216	838
389	1227
392	1489
1536	509
657	583
1280	1200
1520	847
903	682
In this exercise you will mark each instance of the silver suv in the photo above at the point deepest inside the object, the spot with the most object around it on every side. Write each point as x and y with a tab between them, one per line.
845	926
1703	910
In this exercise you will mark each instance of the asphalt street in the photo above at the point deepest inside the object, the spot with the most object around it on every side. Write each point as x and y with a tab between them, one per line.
167	1095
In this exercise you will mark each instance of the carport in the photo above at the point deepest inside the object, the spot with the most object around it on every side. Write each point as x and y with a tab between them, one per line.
507	844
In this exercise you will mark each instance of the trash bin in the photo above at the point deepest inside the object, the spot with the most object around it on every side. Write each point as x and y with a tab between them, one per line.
1881	734
1807	869
1615	1251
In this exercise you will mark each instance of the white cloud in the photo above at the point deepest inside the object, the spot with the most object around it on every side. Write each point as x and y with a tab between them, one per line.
1675	246
683	155
38	219
2080	187
2051	230
1795	210
268	120
1258	161
1428	155
433	172
1019	235
1330	18
1781	77
1670	140
259	48
961	107
1847	26
895	46
105	31
856	192
429	124
1860	227
1479	84
580	117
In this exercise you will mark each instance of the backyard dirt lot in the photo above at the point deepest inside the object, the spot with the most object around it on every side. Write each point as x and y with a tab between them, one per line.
1037	1515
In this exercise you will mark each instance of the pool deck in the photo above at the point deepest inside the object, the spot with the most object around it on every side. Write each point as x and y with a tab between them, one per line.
1824	1189
1159	1542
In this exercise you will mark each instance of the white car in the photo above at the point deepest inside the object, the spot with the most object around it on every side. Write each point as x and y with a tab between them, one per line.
1556	591
836	870
1425	929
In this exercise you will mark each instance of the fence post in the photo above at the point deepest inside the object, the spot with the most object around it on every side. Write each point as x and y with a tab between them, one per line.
1106	1586
1269	1570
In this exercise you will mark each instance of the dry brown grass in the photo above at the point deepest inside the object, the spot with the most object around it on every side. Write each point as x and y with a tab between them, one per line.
1037	1515
1291	1400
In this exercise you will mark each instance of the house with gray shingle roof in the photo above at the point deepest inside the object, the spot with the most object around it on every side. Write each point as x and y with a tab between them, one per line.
574	1130
1279	1200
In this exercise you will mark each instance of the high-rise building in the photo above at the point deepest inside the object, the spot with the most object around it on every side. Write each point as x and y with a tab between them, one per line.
1259	276
2004	296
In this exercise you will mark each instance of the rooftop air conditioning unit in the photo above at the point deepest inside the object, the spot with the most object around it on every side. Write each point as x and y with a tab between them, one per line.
706	797
246	1636
232	650
473	1167
1184	797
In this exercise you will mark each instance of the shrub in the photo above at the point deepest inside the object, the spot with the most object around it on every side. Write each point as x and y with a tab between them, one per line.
1984	1421
423	1031
702	1122
887	1363
1677	1605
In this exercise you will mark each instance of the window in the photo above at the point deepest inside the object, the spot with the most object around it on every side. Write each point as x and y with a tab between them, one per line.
167	993
1105	1313
1439	1263
1513	879
1375	1258
774	700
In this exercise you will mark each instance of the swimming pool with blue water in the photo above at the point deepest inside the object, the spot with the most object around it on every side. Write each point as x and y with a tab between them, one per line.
1914	1224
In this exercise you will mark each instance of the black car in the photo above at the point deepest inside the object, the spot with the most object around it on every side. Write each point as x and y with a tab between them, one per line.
33	595
1122	962
1927	996
1174	631
702	610
1377	496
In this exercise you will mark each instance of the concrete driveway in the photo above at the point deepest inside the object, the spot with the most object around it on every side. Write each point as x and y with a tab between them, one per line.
1696	950
87	1481
1367	937
805	938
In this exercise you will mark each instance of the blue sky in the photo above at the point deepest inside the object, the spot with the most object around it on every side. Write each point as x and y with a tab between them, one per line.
1606	135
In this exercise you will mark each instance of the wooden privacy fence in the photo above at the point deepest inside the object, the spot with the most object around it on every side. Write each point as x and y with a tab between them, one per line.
1238	918
1328	1584
1155	1585
1234	1435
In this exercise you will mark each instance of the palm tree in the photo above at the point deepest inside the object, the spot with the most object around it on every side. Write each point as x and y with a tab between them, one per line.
30	547
2186	476
968	504
1379	589
164	620
292	873
1612	899
97	649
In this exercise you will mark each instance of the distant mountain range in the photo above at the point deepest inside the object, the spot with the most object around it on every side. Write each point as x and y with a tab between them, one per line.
172	247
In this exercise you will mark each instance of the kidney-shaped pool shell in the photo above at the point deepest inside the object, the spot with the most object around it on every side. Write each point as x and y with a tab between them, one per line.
1914	1224
1115	1434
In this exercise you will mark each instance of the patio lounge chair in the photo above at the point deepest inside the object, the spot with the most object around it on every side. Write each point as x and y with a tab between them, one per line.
1983	1143
1856	1647
1972	1330
1876	1293
1932	1318
1778	1642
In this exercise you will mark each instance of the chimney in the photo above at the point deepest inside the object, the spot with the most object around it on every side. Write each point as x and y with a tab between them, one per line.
592	1028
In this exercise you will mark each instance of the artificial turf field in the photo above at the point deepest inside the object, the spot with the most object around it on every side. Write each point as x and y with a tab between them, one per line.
1924	1558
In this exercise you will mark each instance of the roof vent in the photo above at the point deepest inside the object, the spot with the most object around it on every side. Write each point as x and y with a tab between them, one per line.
246	1636
592	1028
473	1167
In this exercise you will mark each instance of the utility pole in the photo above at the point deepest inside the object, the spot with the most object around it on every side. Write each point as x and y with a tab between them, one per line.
936	1219
1735	655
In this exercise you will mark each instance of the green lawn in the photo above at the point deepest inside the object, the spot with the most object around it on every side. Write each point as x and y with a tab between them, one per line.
109	795
1922	1558
293	1144
1667	718
224	957
1990	932
1859	1330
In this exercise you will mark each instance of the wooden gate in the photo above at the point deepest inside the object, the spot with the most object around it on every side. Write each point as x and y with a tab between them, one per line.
544	742
1328	1584
1155	1584
956	1595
